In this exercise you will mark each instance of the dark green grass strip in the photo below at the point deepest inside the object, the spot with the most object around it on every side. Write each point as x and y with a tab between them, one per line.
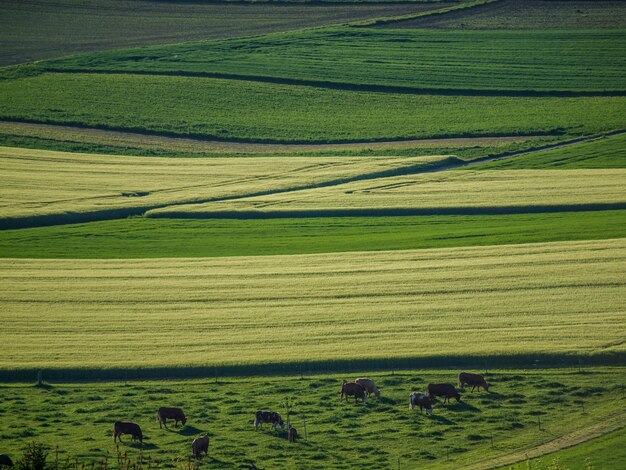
153	238
614	358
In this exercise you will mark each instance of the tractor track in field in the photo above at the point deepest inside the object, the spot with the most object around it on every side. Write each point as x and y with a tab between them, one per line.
451	163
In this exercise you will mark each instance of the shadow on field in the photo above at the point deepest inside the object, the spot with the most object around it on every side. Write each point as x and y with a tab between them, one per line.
186	430
387	401
441	419
463	406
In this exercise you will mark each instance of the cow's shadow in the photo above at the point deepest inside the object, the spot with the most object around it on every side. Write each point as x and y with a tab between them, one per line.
440	419
386	401
186	430
462	406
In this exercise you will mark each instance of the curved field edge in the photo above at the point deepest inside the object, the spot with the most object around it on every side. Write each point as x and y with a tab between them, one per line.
524	408
522	303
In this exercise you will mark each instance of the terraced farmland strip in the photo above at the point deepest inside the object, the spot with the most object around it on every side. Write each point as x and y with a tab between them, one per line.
534	301
457	192
585	61
156	238
263	112
40	29
58	185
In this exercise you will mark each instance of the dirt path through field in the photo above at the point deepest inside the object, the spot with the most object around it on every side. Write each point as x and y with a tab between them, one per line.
179	144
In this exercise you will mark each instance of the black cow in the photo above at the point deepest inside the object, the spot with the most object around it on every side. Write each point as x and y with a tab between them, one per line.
421	400
126	427
446	391
292	434
170	412
270	417
5	461
199	445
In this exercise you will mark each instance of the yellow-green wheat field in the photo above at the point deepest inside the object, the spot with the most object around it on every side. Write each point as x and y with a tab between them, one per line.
567	297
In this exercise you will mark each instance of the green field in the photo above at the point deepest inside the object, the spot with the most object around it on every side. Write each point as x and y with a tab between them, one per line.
573	61
157	238
529	14
40	29
224	205
564	298
523	408
253	111
452	192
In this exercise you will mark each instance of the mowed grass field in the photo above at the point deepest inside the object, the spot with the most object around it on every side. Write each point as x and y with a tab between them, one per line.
524	409
459	192
506	61
563	298
38	29
43	183
265	112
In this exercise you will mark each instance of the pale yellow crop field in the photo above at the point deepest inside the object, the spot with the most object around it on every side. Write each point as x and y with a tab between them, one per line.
450	189
566	297
40	182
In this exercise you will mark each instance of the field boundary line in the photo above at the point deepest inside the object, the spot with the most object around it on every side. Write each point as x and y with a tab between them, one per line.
344	86
599	428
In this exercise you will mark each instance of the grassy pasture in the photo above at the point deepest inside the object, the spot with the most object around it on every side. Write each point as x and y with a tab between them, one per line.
572	61
461	191
40	29
152	238
528	14
78	418
44	183
608	152
264	112
564	298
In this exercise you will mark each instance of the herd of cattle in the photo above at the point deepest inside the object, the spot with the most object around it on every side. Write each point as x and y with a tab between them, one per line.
361	388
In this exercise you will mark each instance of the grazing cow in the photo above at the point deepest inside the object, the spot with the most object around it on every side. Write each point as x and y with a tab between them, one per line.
446	391
421	400
368	385
352	388
199	445
126	427
475	380
174	413
292	434
270	417
5	461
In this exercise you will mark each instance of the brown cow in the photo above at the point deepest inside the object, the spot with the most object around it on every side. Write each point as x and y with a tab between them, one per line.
170	412
126	427
368	385
271	417
199	445
292	434
5	461
446	391
475	380
421	400
352	388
